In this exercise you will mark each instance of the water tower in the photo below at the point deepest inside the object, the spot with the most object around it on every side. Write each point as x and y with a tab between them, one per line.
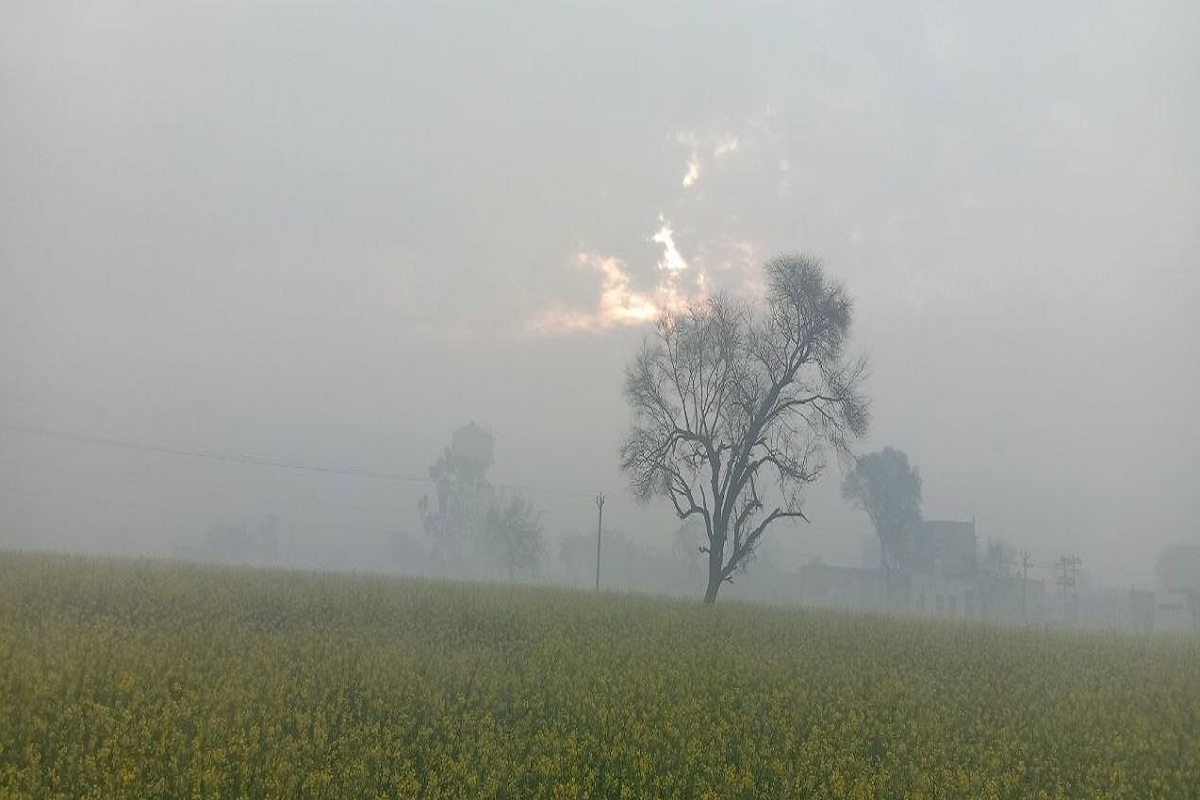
473	446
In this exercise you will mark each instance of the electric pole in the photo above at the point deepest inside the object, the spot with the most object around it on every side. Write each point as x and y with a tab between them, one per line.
1026	563
1067	567
599	530
1076	561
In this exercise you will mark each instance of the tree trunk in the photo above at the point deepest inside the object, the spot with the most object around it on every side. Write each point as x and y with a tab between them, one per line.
714	586
888	599
715	559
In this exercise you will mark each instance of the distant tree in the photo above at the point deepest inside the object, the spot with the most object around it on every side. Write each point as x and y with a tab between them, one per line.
513	534
630	564
453	518
733	407
884	485
999	560
997	568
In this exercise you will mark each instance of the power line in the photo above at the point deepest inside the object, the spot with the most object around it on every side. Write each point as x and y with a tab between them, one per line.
256	461
210	456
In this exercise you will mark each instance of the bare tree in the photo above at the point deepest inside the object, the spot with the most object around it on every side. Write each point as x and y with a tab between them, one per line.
514	534
884	485
733	407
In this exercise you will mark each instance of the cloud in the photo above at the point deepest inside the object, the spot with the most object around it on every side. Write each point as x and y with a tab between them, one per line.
620	304
725	145
693	162
726	256
693	172
671	260
720	146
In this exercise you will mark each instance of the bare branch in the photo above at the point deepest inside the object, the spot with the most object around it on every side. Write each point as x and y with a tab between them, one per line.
724	395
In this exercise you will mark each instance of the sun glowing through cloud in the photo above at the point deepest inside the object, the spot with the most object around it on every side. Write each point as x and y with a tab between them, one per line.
671	261
690	141
620	304
693	172
712	249
720	147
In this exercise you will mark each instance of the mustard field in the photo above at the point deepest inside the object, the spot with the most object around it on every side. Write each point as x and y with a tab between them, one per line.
140	679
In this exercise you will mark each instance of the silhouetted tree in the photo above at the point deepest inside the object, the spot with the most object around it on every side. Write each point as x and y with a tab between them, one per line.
453	519
733	406
513	531
884	485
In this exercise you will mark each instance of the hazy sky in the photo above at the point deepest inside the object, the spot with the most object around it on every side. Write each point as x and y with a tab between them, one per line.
331	233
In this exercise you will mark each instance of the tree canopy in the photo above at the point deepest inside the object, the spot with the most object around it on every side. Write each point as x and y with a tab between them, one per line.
884	485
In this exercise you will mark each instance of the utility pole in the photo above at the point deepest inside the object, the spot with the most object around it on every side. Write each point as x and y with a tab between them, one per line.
1026	563
1067	567
599	530
1076	561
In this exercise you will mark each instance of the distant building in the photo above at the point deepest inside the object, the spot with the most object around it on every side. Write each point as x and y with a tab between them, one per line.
942	579
1178	568
1177	601
941	566
1177	610
941	596
944	548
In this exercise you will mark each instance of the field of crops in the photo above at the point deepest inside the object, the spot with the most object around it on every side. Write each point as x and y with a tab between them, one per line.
122	679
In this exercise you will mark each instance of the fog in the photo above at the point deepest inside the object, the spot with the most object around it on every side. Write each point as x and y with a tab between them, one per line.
327	238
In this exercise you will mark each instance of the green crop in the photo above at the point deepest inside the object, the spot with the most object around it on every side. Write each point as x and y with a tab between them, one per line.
122	679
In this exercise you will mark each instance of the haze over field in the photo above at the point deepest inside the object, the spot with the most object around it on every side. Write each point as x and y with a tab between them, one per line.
329	237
